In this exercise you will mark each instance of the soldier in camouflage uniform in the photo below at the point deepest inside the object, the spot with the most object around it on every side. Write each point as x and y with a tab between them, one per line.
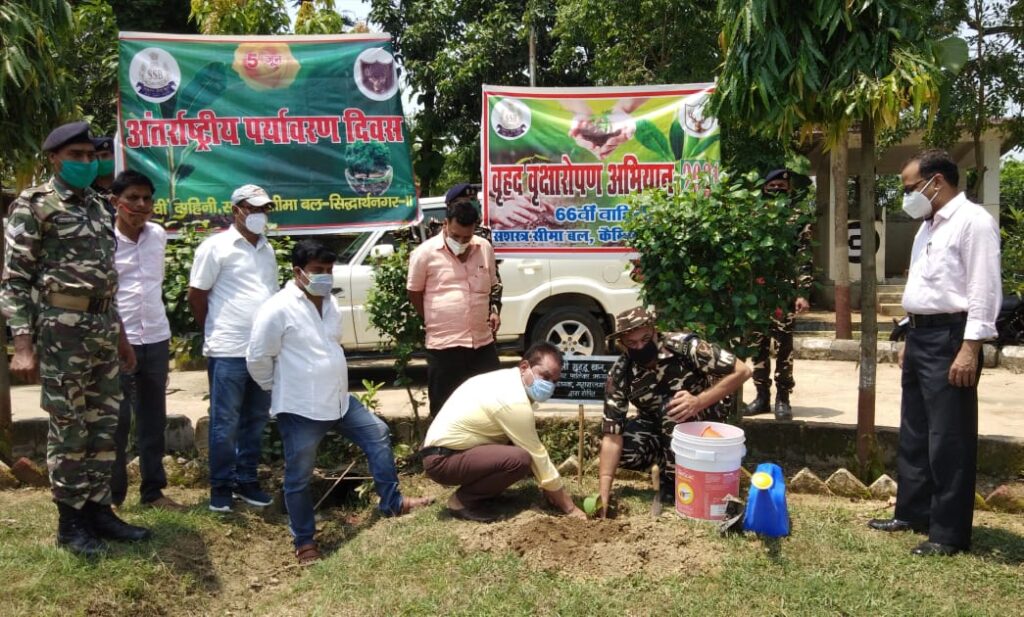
670	377
779	181
56	292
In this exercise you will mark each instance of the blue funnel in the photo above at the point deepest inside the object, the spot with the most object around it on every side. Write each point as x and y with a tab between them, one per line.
766	512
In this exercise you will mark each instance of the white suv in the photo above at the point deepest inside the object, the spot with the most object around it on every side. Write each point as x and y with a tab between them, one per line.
568	302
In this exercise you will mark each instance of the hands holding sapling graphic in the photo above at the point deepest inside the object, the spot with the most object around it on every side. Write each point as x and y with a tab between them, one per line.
601	134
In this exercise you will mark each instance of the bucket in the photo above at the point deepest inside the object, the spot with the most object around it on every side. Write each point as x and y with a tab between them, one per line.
707	468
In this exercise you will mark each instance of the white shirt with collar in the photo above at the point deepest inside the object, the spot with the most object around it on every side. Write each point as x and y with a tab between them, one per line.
240	278
295	352
954	268
140	275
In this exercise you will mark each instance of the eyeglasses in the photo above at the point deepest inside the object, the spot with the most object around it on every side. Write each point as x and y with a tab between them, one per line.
907	190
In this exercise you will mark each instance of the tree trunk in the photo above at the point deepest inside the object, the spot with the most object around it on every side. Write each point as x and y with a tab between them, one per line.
841	247
868	316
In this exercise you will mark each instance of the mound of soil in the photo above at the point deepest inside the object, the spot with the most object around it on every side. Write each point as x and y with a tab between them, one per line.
599	548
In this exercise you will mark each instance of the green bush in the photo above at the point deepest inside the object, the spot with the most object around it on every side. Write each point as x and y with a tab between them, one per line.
1012	231
391	313
719	261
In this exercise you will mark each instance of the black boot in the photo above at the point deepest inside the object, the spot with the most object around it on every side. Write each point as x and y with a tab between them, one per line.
761	404
106	524
75	534
783	411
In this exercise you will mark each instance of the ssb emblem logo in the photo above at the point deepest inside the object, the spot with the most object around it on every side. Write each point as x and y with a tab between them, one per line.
154	75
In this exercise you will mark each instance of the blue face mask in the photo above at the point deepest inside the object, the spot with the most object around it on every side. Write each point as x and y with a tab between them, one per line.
540	390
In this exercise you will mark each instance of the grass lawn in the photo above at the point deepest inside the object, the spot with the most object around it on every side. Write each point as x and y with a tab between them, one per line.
531	563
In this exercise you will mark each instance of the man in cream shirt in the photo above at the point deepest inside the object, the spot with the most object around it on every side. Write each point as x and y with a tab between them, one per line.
295	353
485	437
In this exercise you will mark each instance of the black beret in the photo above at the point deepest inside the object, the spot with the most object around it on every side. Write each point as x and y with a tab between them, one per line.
70	133
778	174
458	191
103	144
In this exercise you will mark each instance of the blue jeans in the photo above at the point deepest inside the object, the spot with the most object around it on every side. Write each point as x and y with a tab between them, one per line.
301	436
239	409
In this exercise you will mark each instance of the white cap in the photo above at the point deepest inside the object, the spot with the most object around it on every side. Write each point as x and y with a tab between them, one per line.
251	193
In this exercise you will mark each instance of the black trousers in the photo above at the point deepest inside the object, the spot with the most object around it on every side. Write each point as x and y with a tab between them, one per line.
145	393
938	450
448	368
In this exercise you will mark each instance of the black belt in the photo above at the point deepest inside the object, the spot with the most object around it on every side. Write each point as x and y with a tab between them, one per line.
438	450
934	321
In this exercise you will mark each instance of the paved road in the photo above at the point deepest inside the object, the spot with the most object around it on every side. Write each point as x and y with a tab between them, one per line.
826	391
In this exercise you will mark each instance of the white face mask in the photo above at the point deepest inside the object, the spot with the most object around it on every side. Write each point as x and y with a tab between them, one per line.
456	248
916	205
319	284
256	223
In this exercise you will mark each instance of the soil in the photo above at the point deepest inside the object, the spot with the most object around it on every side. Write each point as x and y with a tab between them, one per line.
629	544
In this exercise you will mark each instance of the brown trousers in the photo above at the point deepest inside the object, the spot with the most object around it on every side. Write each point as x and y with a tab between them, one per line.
480	473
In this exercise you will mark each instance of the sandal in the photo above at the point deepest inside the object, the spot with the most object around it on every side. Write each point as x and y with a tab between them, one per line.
307	554
412	503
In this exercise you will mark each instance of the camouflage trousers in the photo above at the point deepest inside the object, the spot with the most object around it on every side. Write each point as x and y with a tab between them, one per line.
782	332
78	368
647	440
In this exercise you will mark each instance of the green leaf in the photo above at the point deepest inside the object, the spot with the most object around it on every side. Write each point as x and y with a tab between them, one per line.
951	54
206	87
651	138
676	137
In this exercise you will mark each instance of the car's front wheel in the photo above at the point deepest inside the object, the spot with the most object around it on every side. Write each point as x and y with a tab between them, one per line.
573	330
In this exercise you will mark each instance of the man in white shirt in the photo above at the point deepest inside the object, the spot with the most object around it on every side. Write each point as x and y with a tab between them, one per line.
952	297
233	274
295	353
139	260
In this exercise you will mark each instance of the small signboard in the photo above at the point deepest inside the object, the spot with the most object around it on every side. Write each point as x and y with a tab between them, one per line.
583	379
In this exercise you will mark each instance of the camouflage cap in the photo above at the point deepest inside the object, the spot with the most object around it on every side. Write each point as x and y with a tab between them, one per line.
630	320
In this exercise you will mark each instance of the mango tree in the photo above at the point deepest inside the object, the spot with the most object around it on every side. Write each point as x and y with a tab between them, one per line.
793	68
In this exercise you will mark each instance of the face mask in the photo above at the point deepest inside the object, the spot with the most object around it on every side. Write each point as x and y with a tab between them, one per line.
540	390
645	354
455	247
78	175
256	222
105	168
916	205
319	284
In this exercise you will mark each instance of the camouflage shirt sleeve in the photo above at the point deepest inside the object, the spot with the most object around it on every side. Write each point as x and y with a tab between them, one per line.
21	261
616	398
496	288
704	357
805	273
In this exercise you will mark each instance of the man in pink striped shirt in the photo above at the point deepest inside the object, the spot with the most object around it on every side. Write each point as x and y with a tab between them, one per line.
450	282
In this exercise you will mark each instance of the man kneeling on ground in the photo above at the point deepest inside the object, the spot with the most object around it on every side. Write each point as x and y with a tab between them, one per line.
485	439
670	377
295	352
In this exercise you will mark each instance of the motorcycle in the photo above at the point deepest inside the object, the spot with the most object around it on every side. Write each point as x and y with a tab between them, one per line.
1009	323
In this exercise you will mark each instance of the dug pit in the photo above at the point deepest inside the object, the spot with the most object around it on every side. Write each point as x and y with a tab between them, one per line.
599	548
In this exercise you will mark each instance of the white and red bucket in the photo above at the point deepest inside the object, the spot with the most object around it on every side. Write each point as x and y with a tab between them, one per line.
708	457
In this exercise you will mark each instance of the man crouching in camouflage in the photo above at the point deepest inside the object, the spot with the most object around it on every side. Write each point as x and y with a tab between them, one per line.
670	377
60	244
